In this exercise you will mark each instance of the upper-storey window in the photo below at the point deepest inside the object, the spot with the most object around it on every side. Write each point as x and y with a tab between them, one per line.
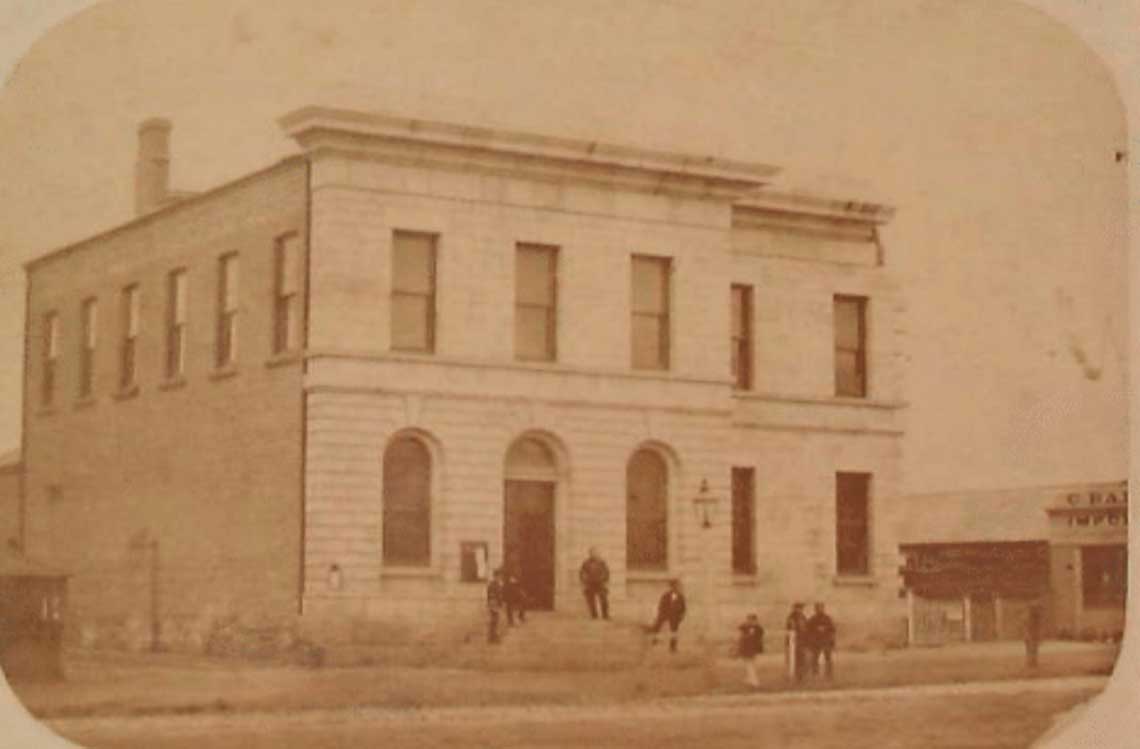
536	312
286	295
88	314
49	358
850	314
650	312
227	336
130	334
176	323
413	291
742	337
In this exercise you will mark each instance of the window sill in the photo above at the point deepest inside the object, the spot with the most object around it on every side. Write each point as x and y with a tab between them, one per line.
126	393
283	359
411	572
86	401
819	400
224	372
864	581
745	580
173	383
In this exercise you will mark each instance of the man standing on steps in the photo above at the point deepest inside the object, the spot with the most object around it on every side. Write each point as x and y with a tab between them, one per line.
595	577
494	605
671	609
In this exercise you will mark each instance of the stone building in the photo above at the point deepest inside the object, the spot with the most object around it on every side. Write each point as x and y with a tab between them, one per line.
347	385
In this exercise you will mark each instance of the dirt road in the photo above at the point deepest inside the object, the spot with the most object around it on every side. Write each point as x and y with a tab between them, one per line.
998	715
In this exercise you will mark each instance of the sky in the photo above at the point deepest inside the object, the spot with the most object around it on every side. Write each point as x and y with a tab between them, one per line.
992	128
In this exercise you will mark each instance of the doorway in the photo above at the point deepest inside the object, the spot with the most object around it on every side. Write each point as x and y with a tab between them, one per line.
528	539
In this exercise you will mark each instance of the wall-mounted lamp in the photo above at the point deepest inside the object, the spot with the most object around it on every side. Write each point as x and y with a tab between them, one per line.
704	504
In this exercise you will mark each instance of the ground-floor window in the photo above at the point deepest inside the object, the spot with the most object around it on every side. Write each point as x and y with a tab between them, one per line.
407	503
853	523
646	521
743	519
1103	576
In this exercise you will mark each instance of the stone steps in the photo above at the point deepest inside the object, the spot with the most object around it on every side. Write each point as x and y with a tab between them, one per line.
552	641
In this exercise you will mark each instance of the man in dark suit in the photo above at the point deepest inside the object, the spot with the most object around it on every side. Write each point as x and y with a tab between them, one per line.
795	641
820	640
671	610
595	577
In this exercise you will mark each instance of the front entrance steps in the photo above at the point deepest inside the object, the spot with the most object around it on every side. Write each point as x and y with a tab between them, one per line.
557	641
547	641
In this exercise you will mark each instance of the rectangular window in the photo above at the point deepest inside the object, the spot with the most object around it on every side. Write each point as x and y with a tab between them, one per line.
743	521
175	324
413	291
536	315
650	312
227	336
286	295
88	314
1104	576
850	313
130	334
49	357
742	337
853	527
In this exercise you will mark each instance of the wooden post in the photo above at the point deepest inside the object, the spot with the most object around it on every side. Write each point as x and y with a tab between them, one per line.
910	623
967	618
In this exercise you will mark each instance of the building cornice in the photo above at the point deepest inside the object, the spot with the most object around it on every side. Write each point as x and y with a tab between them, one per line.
528	155
770	203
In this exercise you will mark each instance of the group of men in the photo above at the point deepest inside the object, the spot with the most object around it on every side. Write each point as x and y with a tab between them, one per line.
808	638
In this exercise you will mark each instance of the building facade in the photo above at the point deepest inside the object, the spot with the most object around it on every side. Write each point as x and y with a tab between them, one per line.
347	386
976	562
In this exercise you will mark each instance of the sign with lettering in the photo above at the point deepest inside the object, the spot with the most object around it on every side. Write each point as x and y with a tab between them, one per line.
1099	511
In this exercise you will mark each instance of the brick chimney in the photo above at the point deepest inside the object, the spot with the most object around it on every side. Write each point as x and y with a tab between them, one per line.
152	170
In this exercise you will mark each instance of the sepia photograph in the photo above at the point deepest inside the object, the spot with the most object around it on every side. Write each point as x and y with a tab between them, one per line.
490	373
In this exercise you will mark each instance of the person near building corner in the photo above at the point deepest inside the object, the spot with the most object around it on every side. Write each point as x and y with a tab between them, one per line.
795	645
1033	624
750	646
514	597
595	577
820	636
670	610
494	605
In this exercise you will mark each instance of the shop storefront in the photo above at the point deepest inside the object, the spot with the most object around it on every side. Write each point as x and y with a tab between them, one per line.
975	563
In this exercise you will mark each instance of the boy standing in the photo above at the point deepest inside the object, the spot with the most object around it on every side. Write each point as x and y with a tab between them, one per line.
750	645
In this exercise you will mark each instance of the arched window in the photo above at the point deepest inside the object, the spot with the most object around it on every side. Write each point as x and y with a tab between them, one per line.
407	503
646	514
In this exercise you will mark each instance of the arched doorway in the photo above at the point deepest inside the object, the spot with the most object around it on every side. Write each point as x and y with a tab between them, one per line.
531	477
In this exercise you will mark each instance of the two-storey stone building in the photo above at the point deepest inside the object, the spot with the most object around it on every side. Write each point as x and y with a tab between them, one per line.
347	385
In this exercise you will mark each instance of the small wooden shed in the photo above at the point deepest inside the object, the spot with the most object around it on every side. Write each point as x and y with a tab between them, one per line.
33	597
